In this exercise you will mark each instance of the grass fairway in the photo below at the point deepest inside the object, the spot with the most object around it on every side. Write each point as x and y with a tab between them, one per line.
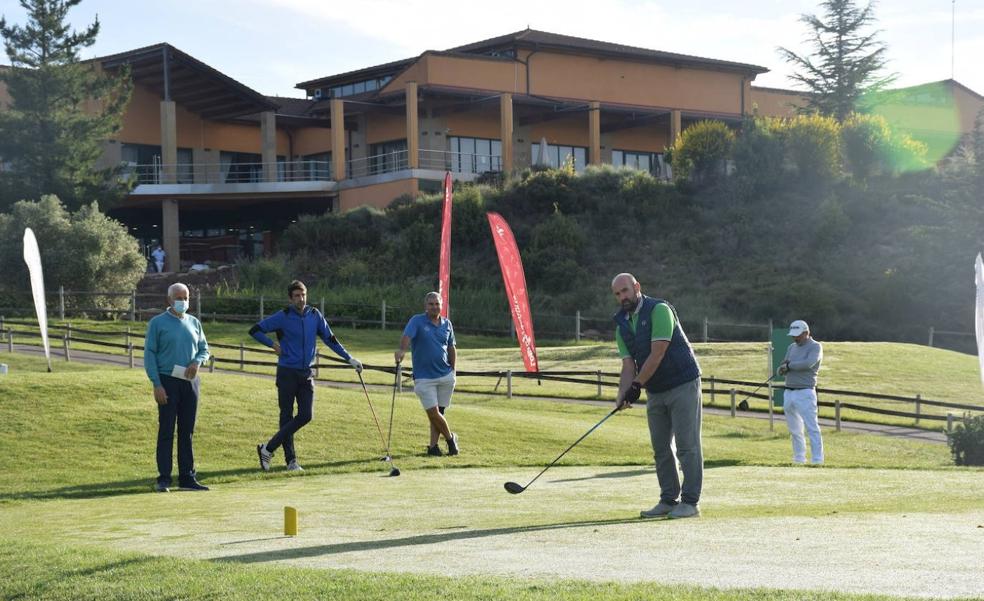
77	520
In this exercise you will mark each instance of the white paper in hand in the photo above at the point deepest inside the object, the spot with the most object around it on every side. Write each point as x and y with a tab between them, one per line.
179	372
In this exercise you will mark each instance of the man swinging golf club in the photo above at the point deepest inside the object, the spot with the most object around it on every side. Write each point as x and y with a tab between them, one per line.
298	328
657	356
431	338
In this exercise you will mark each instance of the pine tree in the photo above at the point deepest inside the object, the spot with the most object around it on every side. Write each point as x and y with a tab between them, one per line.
62	110
846	58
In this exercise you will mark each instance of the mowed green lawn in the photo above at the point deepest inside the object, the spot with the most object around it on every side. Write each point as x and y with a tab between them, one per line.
78	520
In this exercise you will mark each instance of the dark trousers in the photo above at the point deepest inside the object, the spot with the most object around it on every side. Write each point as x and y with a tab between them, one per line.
182	408
292	384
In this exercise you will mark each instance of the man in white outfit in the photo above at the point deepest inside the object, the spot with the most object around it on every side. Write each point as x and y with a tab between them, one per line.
158	256
800	366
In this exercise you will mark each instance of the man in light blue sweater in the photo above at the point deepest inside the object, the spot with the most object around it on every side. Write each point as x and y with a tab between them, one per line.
800	366
174	348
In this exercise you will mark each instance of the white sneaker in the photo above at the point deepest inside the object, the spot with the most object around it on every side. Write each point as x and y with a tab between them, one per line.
265	457
684	510
659	511
293	467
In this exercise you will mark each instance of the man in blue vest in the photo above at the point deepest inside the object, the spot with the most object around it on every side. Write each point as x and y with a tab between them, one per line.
298	328
657	356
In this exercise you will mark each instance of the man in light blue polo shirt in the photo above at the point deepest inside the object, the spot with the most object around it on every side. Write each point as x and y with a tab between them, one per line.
431	337
175	344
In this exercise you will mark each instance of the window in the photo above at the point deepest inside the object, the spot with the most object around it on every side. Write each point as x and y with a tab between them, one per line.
475	155
643	161
388	156
143	161
557	156
358	87
316	167
240	167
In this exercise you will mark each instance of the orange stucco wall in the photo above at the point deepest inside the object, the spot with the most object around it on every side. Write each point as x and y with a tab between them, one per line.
969	106
142	125
586	78
773	103
379	195
312	140
569	131
385	127
651	138
474	73
484	124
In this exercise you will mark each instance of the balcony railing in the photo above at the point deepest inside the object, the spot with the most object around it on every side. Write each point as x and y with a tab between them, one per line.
308	171
229	173
460	162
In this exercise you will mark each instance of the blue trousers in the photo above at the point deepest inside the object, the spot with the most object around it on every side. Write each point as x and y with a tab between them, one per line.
181	408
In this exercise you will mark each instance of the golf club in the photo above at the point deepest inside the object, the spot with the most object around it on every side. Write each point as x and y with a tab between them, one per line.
395	471
515	488
743	405
389	434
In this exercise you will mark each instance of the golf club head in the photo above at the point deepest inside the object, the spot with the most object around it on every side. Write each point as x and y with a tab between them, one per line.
743	405
386	458
394	472
513	488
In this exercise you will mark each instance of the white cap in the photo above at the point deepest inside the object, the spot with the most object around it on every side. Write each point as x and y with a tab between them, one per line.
798	327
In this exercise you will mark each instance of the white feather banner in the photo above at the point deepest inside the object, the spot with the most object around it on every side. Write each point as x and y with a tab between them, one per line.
979	312
32	256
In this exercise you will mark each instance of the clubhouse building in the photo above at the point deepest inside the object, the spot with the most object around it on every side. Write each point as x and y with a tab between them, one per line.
219	170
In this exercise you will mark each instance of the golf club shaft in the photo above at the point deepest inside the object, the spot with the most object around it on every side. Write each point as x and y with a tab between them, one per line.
757	389
583	436
378	429
389	434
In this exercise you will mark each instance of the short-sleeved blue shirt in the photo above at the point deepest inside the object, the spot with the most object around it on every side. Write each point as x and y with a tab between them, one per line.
429	344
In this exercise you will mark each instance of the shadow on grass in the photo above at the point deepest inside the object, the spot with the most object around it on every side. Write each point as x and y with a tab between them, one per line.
711	464
409	541
145	485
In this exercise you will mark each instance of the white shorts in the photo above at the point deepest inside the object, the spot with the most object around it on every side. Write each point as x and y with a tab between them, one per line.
435	392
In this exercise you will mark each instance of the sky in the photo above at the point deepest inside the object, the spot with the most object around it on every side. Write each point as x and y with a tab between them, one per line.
271	45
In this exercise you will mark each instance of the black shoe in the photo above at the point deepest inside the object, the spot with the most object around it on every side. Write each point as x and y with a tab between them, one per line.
192	485
161	487
434	451
453	444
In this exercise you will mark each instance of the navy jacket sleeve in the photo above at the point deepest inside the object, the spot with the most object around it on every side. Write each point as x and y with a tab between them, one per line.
270	324
324	330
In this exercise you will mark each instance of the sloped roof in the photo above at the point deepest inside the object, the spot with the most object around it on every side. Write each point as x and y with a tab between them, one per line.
190	82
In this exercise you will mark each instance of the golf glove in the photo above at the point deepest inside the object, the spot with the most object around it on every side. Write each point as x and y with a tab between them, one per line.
356	364
633	393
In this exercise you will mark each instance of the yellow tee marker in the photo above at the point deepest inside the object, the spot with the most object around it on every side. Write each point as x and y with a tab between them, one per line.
290	521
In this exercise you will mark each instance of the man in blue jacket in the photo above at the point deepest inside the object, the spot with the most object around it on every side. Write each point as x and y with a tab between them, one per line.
298	327
657	356
174	348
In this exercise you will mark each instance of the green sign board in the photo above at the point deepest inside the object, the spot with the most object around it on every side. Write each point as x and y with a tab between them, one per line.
780	342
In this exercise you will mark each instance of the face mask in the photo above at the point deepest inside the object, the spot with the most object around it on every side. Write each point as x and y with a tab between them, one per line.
180	306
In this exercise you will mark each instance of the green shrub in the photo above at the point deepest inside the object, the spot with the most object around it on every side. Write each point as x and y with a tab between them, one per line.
867	140
813	147
967	441
700	153
759	155
84	250
333	233
553	260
